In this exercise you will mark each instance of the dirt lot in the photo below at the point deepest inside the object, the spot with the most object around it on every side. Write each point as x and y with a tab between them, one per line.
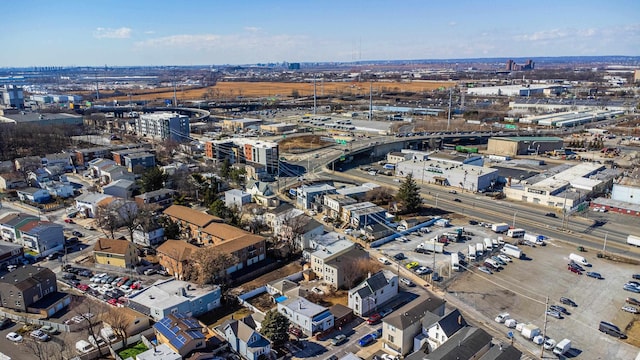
522	287
286	270
269	89
306	142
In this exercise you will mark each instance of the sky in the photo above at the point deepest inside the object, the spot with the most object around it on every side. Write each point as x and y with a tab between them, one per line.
216	32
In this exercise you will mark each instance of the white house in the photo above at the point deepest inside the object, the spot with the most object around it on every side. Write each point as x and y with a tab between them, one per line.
439	332
373	292
326	253
236	198
309	317
245	340
87	204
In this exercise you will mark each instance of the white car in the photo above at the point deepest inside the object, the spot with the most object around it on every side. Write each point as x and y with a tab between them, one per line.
317	291
15	337
39	335
384	261
549	344
504	258
630	309
422	270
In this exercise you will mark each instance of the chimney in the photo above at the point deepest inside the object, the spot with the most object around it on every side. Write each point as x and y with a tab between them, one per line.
369	275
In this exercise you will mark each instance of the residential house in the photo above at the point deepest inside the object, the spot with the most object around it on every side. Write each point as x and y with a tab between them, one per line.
442	330
28	163
175	296
115	252
283	214
38	177
181	332
341	271
401	327
310	195
192	222
333	204
468	343
162	198
370	295
87	204
236	198
11	180
11	223
360	218
121	188
249	249
59	189
41	237
174	255
32	289
10	254
277	288
119	155
159	352
84	156
305	315
262	194
301	231
324	254
62	160
376	231
35	195
245	340
107	171
149	233
7	166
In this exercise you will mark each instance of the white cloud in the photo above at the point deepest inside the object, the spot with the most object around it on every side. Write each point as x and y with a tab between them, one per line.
543	35
108	33
252	29
149	32
453	23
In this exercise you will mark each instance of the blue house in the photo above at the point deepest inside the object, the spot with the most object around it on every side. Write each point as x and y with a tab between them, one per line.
32	194
245	340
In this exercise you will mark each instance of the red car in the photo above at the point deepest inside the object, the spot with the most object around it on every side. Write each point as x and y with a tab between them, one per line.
69	221
572	269
374	318
83	287
113	302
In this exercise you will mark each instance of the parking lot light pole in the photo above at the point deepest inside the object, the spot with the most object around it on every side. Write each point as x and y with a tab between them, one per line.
604	246
514	219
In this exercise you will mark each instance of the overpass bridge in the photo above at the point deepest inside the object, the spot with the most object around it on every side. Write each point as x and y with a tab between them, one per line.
119	111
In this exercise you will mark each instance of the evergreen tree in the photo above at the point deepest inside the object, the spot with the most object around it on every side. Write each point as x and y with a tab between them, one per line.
409	195
275	327
153	179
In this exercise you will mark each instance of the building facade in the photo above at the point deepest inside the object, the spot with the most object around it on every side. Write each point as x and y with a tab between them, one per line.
164	126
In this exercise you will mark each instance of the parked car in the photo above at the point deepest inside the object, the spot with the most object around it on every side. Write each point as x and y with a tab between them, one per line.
385	312
457	200
399	256
338	339
594	275
423	270
636	276
69	221
384	261
549	344
77	233
377	334
412	264
630	309
550	214
574	270
485	270
567	301
505	258
366	340
295	332
39	335
374	318
82	287
317	290
15	337
407	282
554	314
631	288
150	271
632	301
5	323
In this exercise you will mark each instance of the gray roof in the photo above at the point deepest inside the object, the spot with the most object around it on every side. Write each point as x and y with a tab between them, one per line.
502	352
413	312
310	225
303	306
452	322
372	284
155	193
463	345
7	247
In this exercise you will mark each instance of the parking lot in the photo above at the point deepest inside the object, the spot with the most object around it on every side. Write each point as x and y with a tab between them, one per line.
521	288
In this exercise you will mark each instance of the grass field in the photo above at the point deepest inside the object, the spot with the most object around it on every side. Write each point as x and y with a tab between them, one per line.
276	90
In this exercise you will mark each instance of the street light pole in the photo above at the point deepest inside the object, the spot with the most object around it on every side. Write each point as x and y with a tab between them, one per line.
604	246
514	219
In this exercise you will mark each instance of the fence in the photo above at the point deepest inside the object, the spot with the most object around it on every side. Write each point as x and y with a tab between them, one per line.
242	299
24	318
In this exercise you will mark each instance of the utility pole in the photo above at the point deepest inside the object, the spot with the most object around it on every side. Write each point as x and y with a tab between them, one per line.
544	328
449	112
314	94
604	246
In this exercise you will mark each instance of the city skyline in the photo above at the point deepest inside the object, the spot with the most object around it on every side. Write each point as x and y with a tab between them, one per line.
145	32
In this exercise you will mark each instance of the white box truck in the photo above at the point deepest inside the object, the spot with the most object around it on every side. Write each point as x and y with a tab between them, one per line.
633	240
562	347
479	250
432	246
530	331
511	250
488	244
579	259
500	227
534	238
455	262
472	253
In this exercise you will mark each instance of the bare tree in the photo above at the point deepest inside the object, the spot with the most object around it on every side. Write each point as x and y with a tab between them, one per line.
358	270
128	215
107	220
92	314
291	229
119	322
209	264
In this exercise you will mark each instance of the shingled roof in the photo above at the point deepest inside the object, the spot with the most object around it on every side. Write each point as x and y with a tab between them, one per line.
191	216
112	246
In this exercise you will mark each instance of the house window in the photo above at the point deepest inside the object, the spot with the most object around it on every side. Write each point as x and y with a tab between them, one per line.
390	338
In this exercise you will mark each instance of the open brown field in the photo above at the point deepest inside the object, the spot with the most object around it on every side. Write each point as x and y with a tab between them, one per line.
227	90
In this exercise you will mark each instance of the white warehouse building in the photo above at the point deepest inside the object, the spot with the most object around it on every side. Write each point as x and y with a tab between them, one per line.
467	177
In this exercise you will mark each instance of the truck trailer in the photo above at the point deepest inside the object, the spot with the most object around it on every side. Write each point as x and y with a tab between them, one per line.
488	244
511	250
500	227
455	262
633	240
472	253
479	249
530	331
432	246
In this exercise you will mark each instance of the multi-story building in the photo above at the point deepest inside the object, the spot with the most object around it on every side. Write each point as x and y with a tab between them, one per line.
340	272
139	162
327	253
12	96
42	237
243	150
308	195
32	289
192	222
164	126
161	198
174	256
